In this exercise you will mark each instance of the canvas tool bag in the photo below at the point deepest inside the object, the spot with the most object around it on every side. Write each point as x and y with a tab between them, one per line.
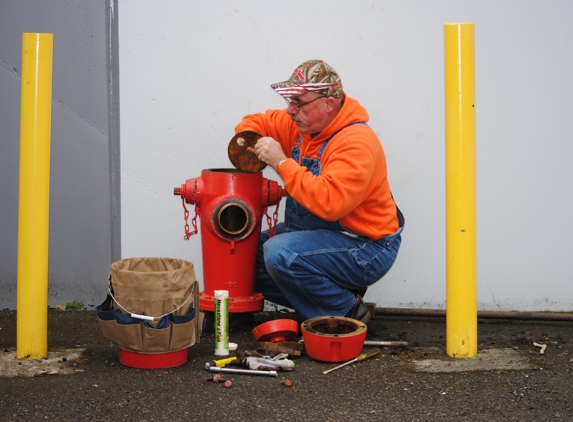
152	305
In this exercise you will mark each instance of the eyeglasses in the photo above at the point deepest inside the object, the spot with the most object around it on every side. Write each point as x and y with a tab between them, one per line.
298	106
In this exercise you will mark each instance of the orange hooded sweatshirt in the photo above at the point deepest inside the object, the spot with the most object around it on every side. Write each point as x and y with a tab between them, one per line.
352	186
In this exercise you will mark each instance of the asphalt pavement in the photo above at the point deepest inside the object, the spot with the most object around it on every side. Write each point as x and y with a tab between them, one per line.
523	372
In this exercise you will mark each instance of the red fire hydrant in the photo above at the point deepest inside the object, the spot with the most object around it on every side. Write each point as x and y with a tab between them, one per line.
230	204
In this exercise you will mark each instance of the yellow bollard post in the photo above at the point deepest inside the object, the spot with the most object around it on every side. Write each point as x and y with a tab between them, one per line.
461	266
34	196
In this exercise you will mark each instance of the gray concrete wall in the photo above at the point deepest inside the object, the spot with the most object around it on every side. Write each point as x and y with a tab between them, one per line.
80	220
191	70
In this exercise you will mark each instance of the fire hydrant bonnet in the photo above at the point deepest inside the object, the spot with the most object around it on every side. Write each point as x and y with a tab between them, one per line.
333	338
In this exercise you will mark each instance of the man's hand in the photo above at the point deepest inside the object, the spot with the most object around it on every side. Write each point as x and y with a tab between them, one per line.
268	151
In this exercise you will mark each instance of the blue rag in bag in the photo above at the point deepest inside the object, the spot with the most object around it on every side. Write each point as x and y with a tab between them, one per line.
106	314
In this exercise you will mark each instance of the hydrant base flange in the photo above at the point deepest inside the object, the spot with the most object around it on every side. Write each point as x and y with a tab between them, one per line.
240	304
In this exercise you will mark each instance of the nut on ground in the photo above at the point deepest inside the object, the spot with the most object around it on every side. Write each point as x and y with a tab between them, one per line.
216	378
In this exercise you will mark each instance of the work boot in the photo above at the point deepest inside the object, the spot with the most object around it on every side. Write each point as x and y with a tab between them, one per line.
359	311
360	291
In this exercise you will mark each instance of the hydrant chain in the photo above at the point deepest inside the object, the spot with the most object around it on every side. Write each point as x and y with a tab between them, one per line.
276	217
188	234
272	222
269	220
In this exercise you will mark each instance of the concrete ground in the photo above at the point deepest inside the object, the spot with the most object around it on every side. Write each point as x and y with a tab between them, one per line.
511	378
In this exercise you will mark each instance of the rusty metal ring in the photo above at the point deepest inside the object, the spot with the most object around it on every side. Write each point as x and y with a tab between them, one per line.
242	159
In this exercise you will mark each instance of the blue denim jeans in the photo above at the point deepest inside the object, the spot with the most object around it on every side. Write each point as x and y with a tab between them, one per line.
313	271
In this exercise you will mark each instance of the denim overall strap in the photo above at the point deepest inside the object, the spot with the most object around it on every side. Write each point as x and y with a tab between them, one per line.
296	216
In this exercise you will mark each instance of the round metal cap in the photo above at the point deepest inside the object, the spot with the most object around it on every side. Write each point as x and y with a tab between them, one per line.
241	158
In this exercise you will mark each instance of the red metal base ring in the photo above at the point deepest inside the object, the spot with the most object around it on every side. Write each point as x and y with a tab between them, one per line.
153	361
276	331
237	305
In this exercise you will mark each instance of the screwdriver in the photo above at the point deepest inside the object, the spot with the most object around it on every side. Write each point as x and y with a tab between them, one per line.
219	363
365	355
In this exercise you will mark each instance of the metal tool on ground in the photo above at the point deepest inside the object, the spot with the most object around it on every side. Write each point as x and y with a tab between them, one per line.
378	343
362	356
219	363
269	364
243	371
217	378
381	343
293	348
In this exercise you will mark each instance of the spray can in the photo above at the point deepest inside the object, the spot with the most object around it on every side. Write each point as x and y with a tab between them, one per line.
221	299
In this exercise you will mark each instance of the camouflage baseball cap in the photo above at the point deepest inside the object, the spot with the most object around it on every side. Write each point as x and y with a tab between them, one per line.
312	75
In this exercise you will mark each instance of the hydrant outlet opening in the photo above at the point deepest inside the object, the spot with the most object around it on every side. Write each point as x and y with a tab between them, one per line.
234	220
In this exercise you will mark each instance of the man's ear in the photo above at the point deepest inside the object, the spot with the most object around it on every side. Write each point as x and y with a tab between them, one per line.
330	103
